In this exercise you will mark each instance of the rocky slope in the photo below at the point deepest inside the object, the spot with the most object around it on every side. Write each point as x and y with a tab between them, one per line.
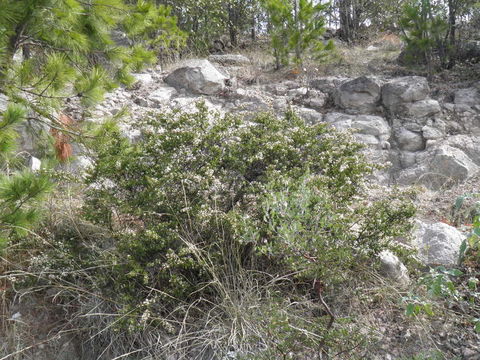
432	143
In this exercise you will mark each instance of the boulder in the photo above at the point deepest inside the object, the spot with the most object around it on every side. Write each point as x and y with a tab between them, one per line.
468	144
420	109
432	133
316	100
358	96
229	59
143	79
161	96
391	267
403	90
363	124
451	165
468	96
199	77
409	141
438	243
327	84
309	115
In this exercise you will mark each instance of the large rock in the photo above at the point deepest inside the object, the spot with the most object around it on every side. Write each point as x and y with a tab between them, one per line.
469	96
420	109
358	96
327	84
403	90
229	59
392	268
161	96
451	165
409	140
440	167
468	144
438	243
374	126
199	77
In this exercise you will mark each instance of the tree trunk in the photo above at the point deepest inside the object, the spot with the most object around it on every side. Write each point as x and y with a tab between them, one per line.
12	47
452	27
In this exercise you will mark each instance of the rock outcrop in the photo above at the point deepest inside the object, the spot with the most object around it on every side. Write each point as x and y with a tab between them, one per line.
198	77
438	243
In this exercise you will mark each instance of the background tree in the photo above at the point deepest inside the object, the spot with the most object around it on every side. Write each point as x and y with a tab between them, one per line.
296	26
55	50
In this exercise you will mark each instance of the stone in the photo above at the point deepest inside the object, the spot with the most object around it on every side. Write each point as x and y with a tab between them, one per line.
391	267
297	92
367	139
432	133
403	90
420	109
317	102
437	243
309	115
448	166
141	101
409	141
3	102
407	159
34	163
358	96
230	59
198	77
327	84
161	96
363	124
468	96
143	79
468	144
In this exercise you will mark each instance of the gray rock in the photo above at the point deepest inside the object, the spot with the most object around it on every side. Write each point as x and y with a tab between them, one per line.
358	96
364	124
311	116
407	159
297	92
3	102
468	96
230	59
409	141
420	109
438	243
317	102
327	84
34	163
403	90
199	77
161	96
143	79
468	144
448	166
432	133
392	268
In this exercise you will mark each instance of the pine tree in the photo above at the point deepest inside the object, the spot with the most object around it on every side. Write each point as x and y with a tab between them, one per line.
20	190
296	26
55	50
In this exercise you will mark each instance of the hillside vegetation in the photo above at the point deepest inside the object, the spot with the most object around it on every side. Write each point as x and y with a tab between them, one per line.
239	179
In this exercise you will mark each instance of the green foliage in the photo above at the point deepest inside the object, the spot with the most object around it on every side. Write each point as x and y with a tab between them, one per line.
296	26
203	192
425	28
21	191
69	51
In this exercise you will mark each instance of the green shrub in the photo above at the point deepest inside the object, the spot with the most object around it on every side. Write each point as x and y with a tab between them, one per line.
202	195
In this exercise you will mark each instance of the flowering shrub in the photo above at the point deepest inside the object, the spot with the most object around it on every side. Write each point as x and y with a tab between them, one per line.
205	196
